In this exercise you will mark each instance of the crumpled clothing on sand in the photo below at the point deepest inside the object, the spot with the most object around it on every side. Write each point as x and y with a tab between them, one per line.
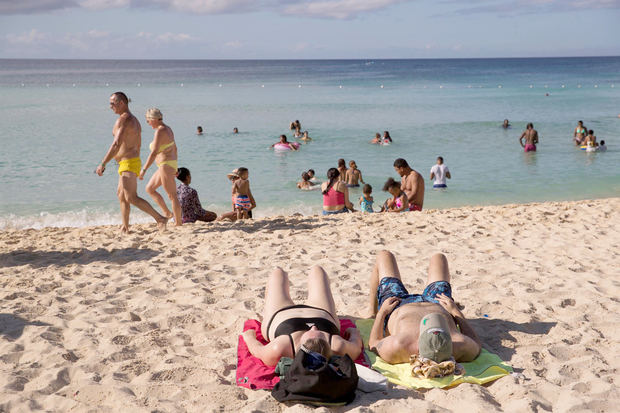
426	368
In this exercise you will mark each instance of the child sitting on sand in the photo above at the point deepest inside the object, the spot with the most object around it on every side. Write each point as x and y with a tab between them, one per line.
399	203
305	183
366	199
242	196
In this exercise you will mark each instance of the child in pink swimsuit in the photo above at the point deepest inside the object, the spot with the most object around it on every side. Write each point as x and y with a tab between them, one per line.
399	202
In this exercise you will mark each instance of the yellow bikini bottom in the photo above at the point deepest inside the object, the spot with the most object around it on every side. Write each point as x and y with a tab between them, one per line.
130	165
174	164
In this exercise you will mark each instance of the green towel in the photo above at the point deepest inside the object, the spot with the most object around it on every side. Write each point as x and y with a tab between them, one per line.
487	367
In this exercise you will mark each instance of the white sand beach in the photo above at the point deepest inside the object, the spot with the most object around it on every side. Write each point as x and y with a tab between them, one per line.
91	320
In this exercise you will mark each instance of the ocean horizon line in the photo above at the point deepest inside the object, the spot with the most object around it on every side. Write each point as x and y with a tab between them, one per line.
309	59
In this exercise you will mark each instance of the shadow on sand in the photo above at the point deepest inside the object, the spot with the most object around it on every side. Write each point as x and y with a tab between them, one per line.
12	327
493	332
268	225
40	259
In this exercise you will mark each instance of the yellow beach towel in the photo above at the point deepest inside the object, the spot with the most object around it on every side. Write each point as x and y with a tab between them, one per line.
487	367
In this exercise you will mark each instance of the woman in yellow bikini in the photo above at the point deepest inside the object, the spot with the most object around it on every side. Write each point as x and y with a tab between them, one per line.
164	153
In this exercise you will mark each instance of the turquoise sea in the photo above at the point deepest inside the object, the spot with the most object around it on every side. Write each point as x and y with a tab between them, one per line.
55	127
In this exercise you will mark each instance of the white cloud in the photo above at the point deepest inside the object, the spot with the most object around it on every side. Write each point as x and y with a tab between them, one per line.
33	37
210	6
174	37
92	43
332	9
96	34
512	7
103	4
33	6
338	9
233	44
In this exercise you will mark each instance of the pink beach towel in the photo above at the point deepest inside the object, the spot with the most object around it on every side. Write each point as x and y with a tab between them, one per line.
254	374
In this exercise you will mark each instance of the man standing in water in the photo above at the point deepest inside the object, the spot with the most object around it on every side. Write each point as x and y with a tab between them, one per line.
412	184
125	149
531	138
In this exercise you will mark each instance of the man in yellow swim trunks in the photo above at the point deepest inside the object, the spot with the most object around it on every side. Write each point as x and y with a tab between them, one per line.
125	149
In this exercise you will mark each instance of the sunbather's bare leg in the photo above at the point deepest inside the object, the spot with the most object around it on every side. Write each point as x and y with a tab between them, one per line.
277	296
385	266
438	269
319	292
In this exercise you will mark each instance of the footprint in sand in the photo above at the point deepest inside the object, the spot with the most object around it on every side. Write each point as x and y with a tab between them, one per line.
62	379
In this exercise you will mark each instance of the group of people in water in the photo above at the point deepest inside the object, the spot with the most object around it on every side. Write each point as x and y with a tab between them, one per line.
585	138
407	195
386	139
582	137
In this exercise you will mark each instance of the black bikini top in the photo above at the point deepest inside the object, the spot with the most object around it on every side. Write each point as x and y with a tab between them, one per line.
292	325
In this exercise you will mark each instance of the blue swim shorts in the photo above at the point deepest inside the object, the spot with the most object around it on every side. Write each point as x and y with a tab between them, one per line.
343	210
393	287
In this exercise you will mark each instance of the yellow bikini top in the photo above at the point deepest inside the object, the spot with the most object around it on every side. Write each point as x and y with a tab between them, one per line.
161	147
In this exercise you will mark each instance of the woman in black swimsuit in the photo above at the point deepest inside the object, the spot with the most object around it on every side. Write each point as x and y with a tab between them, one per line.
286	326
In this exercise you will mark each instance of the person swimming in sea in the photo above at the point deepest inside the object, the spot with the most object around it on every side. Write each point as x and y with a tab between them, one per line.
305	182
311	175
305	137
285	142
387	139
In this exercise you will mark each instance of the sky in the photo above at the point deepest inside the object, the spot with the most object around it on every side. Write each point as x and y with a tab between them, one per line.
307	29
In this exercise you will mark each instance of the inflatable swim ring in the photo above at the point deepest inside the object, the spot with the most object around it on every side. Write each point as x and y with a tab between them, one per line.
311	188
592	149
281	147
583	147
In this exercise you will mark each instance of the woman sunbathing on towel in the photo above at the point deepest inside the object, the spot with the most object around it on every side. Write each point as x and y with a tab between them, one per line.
286	325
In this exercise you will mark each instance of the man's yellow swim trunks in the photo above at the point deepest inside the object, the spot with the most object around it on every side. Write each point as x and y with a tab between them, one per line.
132	165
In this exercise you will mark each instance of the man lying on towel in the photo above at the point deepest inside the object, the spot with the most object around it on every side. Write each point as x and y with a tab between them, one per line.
425	324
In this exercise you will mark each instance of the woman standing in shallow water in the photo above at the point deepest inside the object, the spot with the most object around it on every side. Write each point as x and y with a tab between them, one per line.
164	152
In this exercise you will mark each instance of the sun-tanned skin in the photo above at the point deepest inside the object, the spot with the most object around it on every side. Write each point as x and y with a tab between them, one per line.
403	329
530	135
413	185
126	145
277	297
